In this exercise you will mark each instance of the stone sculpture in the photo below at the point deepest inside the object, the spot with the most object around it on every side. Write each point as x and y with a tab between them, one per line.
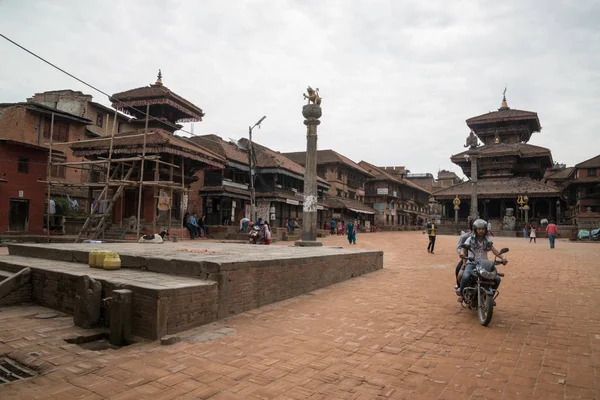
88	299
471	141
508	223
313	96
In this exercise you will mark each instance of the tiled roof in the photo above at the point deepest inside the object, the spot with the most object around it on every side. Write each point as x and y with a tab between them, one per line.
157	141
501	149
267	158
593	162
225	189
157	94
559	175
585	179
381	174
495	188
327	157
354	205
505	115
225	149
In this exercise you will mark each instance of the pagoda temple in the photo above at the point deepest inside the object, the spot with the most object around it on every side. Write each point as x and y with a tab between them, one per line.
150	169
509	171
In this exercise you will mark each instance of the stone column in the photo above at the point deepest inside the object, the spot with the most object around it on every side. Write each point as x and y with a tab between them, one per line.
120	317
474	209
312	113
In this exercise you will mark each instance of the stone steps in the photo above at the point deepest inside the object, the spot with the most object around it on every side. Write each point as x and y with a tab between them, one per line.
161	303
178	286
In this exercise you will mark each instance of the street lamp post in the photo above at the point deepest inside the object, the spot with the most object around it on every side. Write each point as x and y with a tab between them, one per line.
252	174
471	155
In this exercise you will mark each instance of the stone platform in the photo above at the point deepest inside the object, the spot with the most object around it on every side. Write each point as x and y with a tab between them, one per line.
178	286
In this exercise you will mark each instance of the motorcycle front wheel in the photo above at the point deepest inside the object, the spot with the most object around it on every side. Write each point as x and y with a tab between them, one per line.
485	308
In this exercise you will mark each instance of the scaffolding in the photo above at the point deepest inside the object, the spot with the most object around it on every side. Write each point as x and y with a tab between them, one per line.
106	194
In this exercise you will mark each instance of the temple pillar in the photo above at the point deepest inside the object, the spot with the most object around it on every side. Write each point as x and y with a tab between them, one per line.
311	113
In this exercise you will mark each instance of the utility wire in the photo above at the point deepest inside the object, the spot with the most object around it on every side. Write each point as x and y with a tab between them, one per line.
110	98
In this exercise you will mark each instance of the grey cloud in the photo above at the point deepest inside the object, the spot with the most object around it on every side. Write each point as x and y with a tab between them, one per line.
399	78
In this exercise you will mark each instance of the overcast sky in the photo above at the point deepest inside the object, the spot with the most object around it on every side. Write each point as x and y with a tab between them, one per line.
398	78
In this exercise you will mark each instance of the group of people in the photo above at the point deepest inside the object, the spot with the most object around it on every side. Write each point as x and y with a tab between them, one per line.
196	225
478	240
551	232
338	227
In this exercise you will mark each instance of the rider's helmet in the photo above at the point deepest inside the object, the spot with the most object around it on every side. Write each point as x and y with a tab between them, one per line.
479	223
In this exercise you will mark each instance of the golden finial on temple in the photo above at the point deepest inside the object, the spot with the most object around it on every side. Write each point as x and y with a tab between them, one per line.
159	78
504	105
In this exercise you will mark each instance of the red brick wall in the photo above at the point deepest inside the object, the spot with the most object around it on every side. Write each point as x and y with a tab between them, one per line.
28	183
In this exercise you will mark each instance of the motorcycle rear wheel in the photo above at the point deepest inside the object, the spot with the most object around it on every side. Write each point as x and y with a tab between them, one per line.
485	308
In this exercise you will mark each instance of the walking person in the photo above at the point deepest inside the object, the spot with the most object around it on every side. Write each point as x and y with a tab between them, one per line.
193	226
332	226
551	231
431	226
351	233
267	229
524	231
532	234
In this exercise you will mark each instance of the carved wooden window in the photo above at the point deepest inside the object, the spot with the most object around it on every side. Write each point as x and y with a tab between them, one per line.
60	133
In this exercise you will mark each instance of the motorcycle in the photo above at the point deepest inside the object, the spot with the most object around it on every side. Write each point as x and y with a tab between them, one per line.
256	235
479	293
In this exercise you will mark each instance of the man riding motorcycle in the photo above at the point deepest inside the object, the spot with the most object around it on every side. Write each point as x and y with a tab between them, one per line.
480	244
463	238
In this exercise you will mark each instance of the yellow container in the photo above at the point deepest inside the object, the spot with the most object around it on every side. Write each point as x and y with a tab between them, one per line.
92	258
111	261
100	256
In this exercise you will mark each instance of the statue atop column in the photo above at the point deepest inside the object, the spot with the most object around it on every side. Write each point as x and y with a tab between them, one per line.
313	96
311	112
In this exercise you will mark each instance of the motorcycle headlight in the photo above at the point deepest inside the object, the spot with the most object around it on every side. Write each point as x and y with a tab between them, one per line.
490	275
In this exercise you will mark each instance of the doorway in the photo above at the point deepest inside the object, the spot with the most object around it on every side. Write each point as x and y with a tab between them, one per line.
18	215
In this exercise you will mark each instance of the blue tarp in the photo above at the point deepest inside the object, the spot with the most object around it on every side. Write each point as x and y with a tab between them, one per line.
583	234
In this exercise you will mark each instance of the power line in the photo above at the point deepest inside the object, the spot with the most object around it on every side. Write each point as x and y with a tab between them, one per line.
92	86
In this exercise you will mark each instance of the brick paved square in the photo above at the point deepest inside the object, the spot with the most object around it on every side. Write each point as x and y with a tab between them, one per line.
397	333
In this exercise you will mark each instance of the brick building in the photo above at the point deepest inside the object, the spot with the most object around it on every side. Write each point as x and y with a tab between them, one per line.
166	171
78	103
399	202
346	195
580	191
25	133
21	193
225	192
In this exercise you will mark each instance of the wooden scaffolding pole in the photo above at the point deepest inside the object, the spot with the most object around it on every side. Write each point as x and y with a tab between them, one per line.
122	196
110	153
169	217
155	198
48	176
182	212
142	174
99	139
